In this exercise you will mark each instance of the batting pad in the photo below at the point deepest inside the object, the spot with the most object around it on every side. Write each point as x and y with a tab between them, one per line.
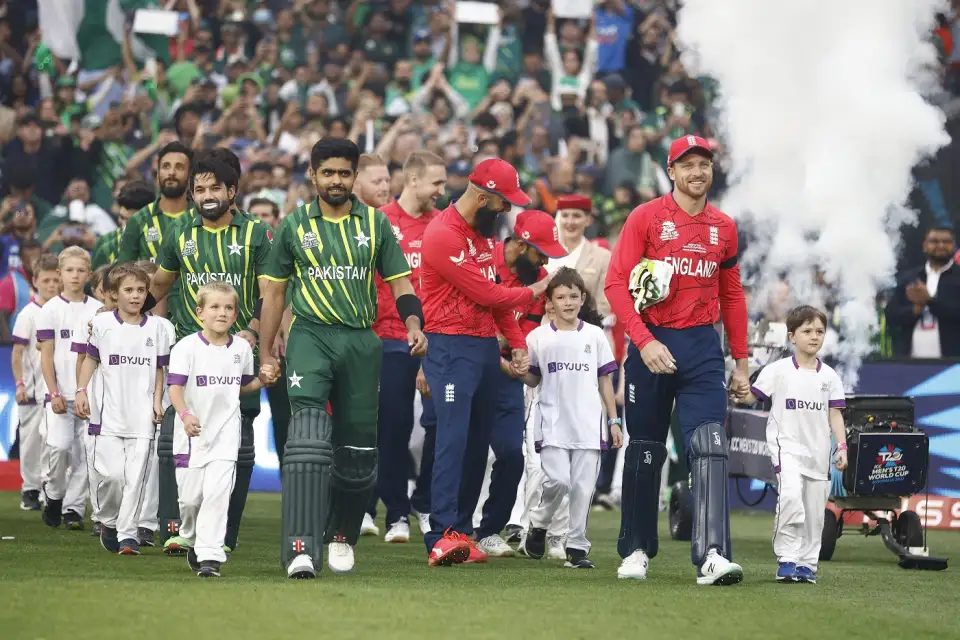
168	495
354	478
305	489
711	503
640	503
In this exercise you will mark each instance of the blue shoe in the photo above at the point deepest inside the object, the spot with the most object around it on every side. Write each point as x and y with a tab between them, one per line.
787	572
108	539
129	547
806	574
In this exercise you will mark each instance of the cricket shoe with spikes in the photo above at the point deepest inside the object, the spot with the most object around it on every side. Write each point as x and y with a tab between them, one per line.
340	555
452	548
176	546
301	568
717	570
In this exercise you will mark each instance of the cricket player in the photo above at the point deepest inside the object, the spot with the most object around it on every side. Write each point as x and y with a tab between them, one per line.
372	186
465	309
331	248
133	197
519	262
144	232
66	488
25	365
676	357
571	364
217	243
131	349
208	371
808	399
425	178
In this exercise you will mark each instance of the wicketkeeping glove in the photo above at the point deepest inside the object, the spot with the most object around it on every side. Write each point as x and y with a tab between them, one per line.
650	283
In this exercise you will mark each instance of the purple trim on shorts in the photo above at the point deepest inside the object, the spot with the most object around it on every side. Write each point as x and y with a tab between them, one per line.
163	361
19	340
837	404
535	371
93	429
607	369
759	394
177	379
93	352
245	380
45	334
181	460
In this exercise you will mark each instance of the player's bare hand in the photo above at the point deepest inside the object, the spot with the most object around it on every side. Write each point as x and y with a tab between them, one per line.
658	358
22	396
268	364
540	286
81	405
59	405
157	412
249	337
616	436
422	386
191	425
417	342
840	462
740	384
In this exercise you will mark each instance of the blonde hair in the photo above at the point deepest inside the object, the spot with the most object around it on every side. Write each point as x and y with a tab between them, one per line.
126	270
368	160
212	288
46	262
73	252
418	161
148	266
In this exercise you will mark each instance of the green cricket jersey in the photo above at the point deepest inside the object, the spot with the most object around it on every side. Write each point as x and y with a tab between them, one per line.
332	263
106	249
142	239
236	254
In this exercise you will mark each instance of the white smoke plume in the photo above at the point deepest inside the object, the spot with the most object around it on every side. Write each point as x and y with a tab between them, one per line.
821	108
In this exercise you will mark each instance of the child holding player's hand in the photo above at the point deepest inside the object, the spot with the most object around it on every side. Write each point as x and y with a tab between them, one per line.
208	372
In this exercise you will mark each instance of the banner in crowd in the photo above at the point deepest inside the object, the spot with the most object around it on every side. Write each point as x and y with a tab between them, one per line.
935	387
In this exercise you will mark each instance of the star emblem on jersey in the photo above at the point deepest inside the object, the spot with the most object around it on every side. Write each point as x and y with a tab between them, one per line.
189	248
295	380
234	249
309	241
362	240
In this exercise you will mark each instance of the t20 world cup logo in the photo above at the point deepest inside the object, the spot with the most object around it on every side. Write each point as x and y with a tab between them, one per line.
889	456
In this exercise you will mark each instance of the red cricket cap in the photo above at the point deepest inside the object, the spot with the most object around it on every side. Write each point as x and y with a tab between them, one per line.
500	178
539	230
575	201
684	145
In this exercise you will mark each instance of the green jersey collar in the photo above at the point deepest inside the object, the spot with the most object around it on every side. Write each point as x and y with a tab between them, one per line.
357	208
236	219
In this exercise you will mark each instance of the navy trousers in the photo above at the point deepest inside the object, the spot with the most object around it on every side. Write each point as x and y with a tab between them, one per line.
462	372
506	440
420	500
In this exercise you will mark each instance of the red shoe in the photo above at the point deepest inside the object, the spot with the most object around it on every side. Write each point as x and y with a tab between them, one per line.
476	553
452	548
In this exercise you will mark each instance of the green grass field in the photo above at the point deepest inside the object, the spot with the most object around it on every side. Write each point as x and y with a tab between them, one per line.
61	584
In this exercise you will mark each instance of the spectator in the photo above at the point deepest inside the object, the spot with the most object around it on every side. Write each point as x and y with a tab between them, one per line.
633	165
16	288
924	313
614	24
49	158
266	210
19	222
87	218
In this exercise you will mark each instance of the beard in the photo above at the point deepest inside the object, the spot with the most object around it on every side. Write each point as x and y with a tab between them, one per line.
486	222
214	214
334	200
173	190
527	272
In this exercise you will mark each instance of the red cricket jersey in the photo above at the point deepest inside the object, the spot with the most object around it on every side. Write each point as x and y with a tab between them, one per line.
409	233
706	278
529	315
458	280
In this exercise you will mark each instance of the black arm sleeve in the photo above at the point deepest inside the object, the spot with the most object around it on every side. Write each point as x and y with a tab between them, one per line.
149	303
410	305
258	308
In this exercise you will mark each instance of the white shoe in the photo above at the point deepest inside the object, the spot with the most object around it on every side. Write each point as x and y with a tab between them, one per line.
718	570
555	548
398	532
340	557
301	568
369	527
634	566
496	547
423	519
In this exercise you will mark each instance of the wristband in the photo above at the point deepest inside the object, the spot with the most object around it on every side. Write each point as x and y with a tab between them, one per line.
21	383
614	421
184	413
56	394
83	389
842	446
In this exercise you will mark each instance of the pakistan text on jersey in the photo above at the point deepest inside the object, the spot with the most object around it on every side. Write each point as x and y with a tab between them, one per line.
338	272
692	266
202	278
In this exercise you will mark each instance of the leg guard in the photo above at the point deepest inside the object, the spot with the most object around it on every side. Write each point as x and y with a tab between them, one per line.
168	501
238	499
305	489
711	505
354	478
642	464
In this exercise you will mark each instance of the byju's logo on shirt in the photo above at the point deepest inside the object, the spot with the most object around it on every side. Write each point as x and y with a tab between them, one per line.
803	405
65	333
556	367
223	381
136	361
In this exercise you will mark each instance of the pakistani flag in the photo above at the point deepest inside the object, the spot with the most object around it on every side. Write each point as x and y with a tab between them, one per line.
90	32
